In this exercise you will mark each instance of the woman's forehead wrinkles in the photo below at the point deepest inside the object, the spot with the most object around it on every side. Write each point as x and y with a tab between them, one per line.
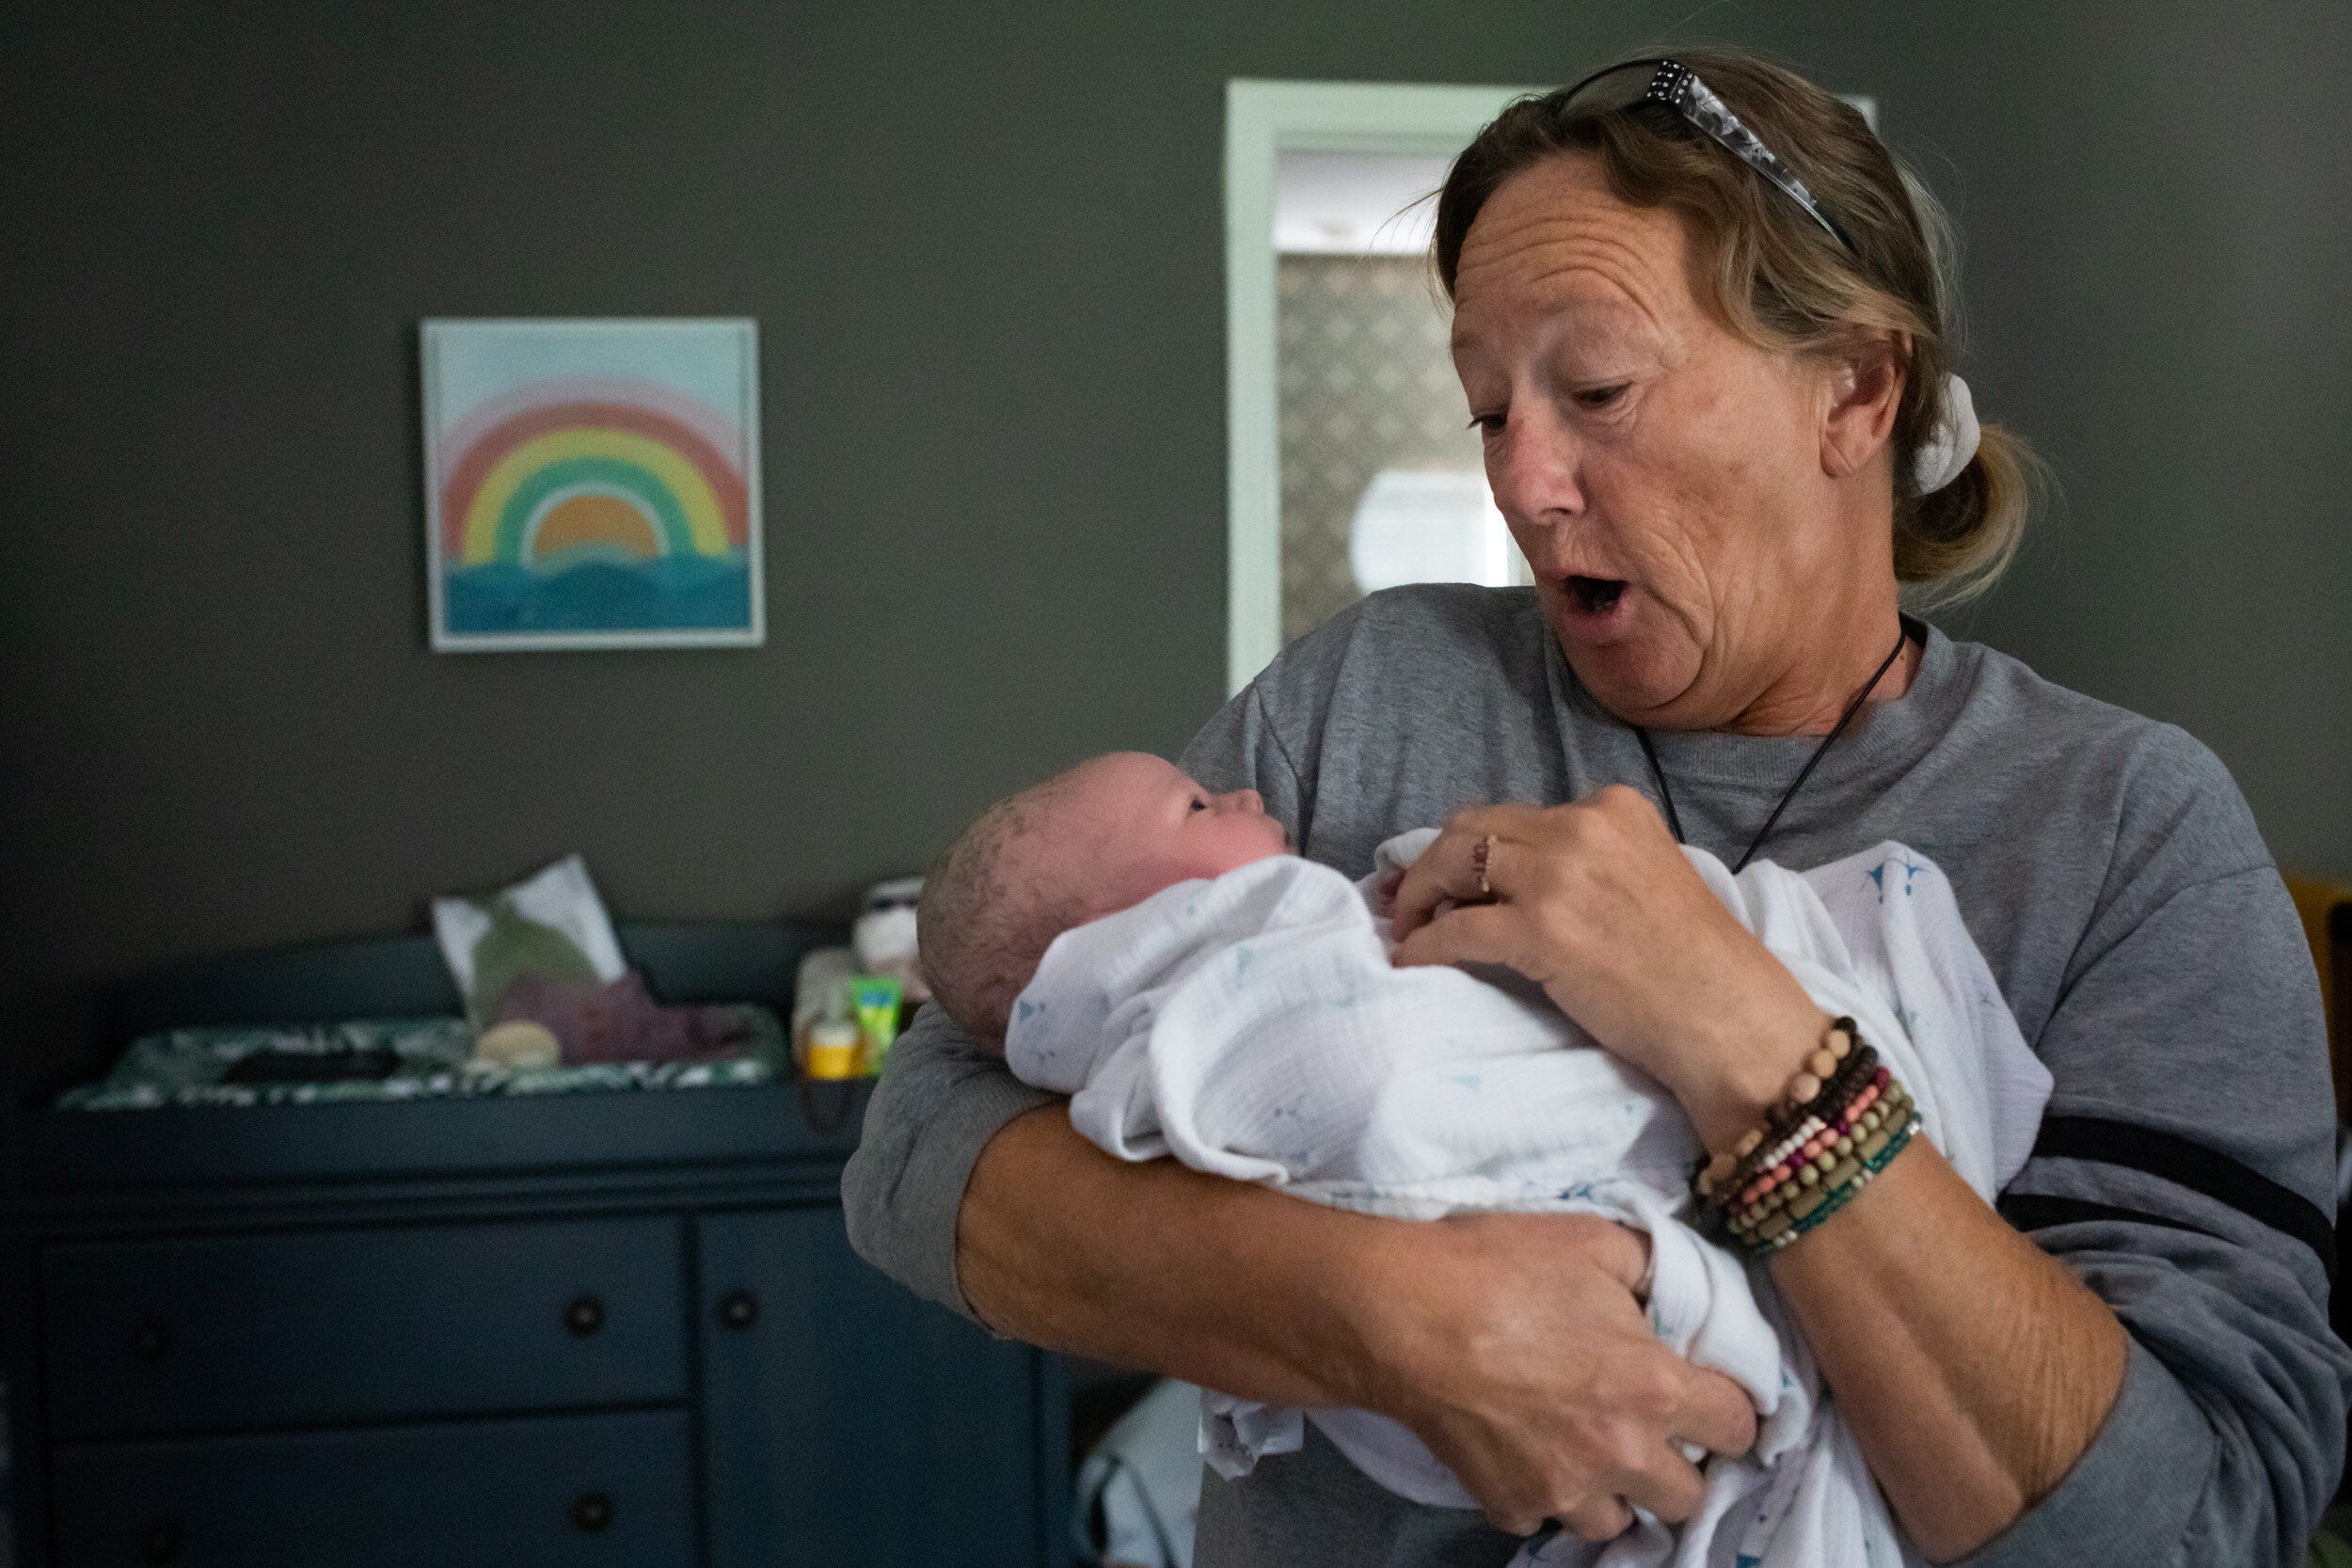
1598	293
1557	247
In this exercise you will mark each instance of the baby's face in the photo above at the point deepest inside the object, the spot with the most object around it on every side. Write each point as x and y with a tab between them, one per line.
1132	824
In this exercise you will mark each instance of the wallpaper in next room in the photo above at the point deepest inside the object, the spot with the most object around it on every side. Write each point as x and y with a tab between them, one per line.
1366	385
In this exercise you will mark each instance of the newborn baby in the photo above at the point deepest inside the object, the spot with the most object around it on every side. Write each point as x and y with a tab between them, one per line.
1148	948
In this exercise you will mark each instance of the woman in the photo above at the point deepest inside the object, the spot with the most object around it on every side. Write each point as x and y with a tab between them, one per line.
1699	322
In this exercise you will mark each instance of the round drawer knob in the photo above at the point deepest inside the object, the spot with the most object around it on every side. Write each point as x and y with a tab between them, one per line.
149	1341
739	1309
159	1541
584	1316
592	1512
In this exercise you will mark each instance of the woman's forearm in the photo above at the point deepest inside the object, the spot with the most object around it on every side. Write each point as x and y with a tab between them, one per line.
1973	1368
1158	1266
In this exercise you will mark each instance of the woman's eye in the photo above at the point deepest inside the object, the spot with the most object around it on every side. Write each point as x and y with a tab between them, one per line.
1600	397
1489	424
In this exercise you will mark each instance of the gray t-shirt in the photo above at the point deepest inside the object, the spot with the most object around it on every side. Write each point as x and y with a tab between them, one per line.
2113	876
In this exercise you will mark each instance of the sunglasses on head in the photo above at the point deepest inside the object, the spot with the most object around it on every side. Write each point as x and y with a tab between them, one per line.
1679	88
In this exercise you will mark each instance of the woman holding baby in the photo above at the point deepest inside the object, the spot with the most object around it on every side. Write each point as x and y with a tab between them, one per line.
1698	319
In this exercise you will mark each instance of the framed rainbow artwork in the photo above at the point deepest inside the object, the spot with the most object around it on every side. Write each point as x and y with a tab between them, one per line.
592	483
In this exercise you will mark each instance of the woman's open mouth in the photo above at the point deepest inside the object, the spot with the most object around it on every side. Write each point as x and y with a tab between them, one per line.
1595	595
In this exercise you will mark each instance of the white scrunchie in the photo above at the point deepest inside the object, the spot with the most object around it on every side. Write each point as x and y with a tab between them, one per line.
1944	453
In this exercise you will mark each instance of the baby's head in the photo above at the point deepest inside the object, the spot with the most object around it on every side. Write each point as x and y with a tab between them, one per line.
1108	834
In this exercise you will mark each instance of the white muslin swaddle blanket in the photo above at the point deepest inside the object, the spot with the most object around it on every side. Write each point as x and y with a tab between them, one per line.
1252	1027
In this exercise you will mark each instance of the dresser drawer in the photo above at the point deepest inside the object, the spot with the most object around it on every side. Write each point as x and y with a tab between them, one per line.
850	1423
580	1490
302	1328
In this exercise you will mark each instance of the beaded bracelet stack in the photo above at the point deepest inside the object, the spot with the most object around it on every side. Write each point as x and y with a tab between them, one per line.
1843	1118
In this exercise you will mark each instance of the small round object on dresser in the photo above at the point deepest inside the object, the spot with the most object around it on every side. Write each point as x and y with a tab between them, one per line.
739	1309
584	1316
592	1512
517	1044
159	1541
149	1341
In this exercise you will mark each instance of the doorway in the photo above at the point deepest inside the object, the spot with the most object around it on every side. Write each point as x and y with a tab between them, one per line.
1327	299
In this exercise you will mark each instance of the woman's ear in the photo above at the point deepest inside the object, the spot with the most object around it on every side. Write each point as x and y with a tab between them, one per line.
1866	388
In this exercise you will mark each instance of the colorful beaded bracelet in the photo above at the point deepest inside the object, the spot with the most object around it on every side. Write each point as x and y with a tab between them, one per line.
1777	1230
1820	1152
1864	1138
1837	1103
1834	1063
1842	1119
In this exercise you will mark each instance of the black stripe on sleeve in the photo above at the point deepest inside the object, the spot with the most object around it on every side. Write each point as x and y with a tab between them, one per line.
2032	1211
2171	1158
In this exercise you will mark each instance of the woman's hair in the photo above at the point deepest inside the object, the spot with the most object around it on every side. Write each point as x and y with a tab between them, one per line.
1781	281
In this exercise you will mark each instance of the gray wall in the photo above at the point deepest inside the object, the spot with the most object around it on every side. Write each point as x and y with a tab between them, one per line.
983	244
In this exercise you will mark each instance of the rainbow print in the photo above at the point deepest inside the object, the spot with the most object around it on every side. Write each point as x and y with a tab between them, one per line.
592	483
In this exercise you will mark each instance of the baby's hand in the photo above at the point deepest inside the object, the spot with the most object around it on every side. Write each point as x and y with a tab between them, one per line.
1385	890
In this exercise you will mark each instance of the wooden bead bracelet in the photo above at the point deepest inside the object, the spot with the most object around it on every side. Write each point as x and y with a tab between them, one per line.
1817	1148
1801	1100
1843	1118
1833	1111
1871	1129
1769	1235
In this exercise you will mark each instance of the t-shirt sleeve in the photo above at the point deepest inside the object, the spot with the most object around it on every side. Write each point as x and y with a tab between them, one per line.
2184	1171
940	1099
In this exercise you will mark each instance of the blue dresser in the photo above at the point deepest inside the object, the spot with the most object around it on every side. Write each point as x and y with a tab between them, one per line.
620	1329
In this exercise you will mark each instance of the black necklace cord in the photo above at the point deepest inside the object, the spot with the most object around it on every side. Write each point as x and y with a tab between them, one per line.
1666	796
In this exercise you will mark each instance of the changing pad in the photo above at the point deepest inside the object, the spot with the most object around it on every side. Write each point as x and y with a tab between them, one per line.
191	1067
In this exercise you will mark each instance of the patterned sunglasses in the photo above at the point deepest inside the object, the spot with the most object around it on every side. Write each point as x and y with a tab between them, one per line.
1675	85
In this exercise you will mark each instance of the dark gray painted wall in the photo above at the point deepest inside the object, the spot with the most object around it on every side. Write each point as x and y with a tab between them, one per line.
984	247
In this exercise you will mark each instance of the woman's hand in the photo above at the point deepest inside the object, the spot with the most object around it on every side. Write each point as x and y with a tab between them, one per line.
1511	1343
1520	1355
1595	902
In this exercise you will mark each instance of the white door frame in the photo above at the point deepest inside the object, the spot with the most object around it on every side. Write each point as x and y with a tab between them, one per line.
1262	120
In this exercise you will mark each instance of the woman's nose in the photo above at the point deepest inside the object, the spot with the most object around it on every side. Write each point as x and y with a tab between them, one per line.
1532	469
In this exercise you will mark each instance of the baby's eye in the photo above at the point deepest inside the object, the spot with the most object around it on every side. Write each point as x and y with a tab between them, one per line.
1198	804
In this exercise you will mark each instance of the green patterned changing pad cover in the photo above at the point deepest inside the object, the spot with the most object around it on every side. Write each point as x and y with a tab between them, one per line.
184	1066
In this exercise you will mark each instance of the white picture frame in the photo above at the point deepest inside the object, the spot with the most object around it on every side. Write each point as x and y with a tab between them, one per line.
592	483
